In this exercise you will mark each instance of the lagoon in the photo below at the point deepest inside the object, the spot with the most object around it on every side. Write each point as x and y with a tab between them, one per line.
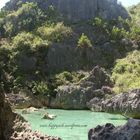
70	124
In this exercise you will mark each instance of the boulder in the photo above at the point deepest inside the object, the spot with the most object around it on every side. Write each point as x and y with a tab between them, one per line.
76	96
129	131
95	104
72	97
49	116
127	104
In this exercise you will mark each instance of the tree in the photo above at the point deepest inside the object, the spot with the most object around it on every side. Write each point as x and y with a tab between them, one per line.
84	42
26	18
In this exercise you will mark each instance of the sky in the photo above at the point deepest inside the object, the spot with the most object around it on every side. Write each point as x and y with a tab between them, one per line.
126	3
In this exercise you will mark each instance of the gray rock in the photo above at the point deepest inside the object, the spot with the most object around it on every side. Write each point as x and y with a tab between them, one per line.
27	63
76	96
55	58
73	97
129	131
126	42
95	104
127	104
78	9
21	101
14	126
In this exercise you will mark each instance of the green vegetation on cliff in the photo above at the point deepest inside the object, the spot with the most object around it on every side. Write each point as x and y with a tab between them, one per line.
126	72
41	50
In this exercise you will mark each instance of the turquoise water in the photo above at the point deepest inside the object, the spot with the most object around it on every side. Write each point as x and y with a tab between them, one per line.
70	124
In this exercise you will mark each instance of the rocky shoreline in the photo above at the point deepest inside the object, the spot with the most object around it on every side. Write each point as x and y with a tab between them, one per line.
127	104
129	131
15	127
94	93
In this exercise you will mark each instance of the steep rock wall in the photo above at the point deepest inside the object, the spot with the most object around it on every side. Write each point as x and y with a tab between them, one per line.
78	9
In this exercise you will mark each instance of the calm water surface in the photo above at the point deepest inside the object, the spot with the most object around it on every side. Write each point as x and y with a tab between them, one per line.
70	124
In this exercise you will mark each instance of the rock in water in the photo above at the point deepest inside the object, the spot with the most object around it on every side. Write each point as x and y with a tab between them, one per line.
129	131
78	9
49	116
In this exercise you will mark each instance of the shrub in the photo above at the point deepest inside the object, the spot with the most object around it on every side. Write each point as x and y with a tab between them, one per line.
84	42
27	40
52	14
40	88
55	33
99	23
134	34
117	33
26	18
28	54
23	39
3	13
5	66
63	78
126	73
67	78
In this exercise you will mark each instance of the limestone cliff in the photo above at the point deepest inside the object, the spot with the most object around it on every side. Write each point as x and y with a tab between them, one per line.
78	9
14	127
127	104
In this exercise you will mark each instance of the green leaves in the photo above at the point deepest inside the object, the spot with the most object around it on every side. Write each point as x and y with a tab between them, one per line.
55	33
84	42
26	18
126	72
118	33
40	88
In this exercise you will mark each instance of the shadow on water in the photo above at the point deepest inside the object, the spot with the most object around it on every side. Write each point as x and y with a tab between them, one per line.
118	118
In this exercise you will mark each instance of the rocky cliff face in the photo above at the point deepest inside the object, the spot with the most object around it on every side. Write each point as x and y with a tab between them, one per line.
78	9
76	96
6	117
14	127
127	104
97	83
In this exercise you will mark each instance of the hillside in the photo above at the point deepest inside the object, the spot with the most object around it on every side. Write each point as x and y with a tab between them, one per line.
37	44
126	71
39	41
